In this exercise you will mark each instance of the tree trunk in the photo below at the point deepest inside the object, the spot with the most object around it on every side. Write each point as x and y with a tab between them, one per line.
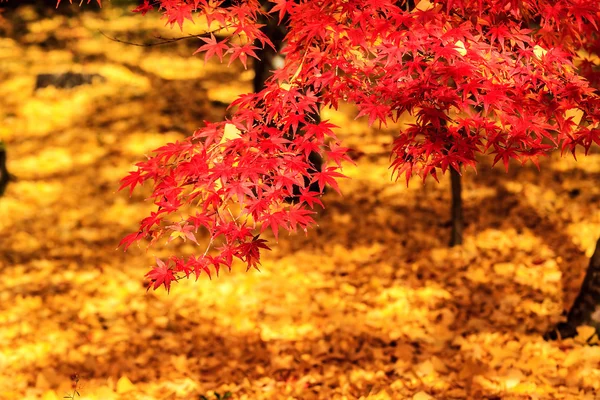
586	308
263	70
456	237
4	175
264	66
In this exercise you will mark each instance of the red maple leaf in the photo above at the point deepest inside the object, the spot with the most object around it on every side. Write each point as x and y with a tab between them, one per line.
161	275
213	47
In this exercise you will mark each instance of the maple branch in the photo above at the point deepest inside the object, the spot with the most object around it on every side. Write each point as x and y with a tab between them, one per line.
165	40
209	246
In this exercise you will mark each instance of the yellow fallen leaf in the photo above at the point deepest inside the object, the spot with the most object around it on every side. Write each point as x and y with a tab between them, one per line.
41	382
103	393
588	56
525	388
124	385
347	288
424	5
460	47
512	378
50	395
439	365
422	396
573	358
180	363
425	368
230	132
539	51
574	113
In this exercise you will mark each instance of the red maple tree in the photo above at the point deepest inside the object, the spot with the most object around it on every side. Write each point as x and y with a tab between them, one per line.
480	76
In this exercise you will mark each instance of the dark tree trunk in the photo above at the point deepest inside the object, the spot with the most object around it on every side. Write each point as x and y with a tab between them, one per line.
456	237
586	308
263	70
4	175
266	63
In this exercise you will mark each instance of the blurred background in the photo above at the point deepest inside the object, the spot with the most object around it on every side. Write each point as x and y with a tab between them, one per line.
370	304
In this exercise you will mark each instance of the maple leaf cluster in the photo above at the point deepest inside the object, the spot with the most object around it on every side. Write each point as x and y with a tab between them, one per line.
481	76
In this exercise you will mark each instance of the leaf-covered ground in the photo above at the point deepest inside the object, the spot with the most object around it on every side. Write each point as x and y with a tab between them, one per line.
371	304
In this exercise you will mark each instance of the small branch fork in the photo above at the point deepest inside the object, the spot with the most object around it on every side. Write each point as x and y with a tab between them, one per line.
163	40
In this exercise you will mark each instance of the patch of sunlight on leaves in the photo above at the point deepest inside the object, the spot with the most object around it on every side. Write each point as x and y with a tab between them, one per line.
23	199
379	396
492	238
23	241
37	352
508	239
432	295
119	76
404	310
10	55
55	59
288	330
46	24
582	356
396	191
477	193
100	393
49	161
140	143
182	388
111	305
584	333
589	163
113	19
429	373
542	309
12	210
342	117
512	187
123	213
16	88
376	172
360	377
399	295
50	395
379	147
114	51
27	13
235	79
226	93
545	277
9	48
170	67
540	357
585	234
235	297
52	109
358	253
583	54
112	174
56	160
124	385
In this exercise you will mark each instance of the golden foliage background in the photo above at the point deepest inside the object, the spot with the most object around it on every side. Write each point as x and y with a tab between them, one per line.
372	304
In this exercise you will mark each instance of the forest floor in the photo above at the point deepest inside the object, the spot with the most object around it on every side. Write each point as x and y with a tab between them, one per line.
371	304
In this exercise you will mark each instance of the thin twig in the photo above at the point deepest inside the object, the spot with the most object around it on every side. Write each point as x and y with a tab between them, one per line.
163	40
